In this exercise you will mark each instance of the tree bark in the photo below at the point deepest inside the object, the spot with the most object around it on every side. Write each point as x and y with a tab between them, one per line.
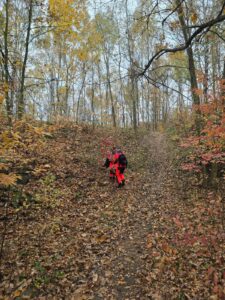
132	72
92	96
223	87
110	90
191	64
121	89
6	64
80	93
206	71
21	104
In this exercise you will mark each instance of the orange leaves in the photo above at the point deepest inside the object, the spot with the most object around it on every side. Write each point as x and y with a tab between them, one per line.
1	99
167	248
149	242
8	179
194	17
209	147
222	84
198	92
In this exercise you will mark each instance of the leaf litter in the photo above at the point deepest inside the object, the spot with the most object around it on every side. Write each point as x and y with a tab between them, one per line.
83	238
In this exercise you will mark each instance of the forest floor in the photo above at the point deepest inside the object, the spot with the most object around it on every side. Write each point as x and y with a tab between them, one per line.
159	237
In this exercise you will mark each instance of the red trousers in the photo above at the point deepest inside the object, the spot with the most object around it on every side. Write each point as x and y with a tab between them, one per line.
119	174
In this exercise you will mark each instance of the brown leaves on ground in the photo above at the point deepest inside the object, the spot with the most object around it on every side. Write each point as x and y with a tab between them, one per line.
70	233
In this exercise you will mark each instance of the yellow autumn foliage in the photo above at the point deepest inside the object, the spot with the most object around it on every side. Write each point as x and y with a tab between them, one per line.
8	179
67	14
194	17
179	55
1	99
14	142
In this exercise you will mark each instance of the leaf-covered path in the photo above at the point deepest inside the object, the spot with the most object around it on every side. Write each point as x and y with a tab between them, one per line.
139	205
94	241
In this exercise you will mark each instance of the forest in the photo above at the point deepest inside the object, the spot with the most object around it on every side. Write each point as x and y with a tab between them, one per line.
86	80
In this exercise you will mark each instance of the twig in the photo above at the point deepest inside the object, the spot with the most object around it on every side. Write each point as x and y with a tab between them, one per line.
157	83
172	12
219	35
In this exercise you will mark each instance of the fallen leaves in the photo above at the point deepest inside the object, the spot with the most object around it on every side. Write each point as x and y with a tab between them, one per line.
101	239
88	240
178	222
8	179
149	241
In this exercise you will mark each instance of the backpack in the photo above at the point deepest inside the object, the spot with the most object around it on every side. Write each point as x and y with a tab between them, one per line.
122	160
107	163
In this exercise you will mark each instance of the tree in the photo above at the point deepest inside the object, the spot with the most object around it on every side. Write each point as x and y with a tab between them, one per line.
21	104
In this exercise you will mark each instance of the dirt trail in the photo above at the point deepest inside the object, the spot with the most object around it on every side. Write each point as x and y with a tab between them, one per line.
94	241
121	268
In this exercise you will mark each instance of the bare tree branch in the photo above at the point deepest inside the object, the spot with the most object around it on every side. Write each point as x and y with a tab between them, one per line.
149	15
172	12
220	18
157	84
219	35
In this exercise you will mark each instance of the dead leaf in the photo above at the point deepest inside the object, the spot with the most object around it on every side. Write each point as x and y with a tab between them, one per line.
166	248
17	293
149	242
101	239
95	277
177	222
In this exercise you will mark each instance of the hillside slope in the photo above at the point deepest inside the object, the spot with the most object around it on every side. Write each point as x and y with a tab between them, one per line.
82	238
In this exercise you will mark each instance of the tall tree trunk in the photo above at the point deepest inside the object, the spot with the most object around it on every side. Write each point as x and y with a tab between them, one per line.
107	100
84	114
148	108
133	95
137	101
223	87
21	104
67	90
52	94
66	104
132	71
100	95
110	91
214	75
80	93
206	71
180	97
121	88
92	96
191	64
142	105
59	101
154	110
6	64
165	102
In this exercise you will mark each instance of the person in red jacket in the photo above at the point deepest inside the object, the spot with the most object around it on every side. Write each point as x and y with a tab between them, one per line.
109	163
120	164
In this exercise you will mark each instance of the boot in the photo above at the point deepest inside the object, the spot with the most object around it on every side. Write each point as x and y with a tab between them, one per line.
120	185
